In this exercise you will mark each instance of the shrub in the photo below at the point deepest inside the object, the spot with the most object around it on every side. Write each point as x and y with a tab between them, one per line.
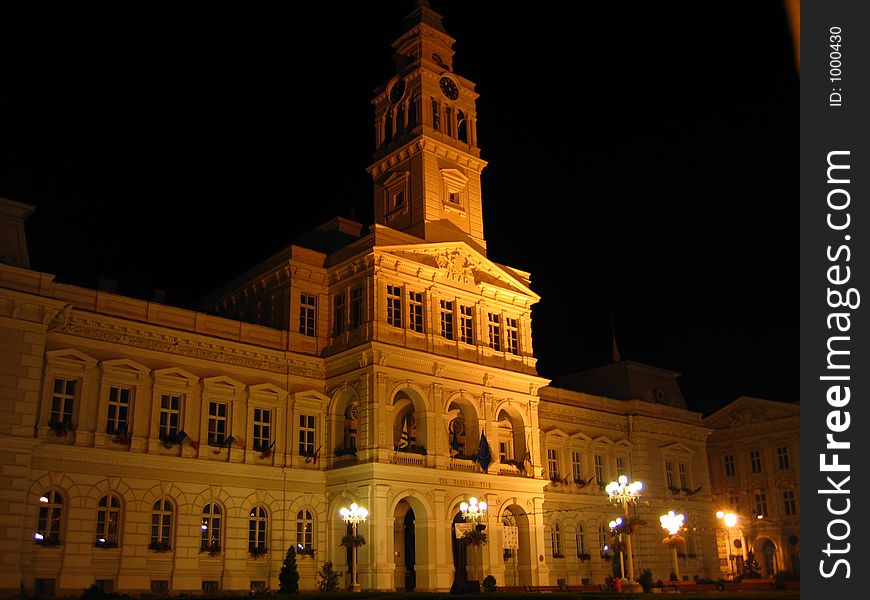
288	578
489	584
327	577
645	579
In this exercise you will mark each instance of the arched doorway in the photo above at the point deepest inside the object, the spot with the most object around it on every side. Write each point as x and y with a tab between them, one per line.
518	560
405	547
460	556
768	562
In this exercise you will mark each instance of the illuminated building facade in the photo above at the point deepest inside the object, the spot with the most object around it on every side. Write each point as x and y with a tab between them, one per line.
148	448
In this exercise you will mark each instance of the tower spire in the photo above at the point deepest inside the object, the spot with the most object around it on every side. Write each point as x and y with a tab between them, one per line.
424	14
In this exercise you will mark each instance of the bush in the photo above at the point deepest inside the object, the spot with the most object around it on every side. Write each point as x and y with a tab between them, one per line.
288	578
489	584
645	579
782	577
327	577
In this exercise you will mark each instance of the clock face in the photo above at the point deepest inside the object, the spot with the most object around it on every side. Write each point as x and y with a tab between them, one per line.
449	89
397	91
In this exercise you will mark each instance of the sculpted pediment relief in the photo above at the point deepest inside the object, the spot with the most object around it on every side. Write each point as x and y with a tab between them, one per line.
748	411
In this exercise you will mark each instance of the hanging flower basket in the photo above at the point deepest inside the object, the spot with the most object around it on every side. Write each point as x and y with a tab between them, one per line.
674	541
163	546
61	428
478	538
257	552
353	541
213	549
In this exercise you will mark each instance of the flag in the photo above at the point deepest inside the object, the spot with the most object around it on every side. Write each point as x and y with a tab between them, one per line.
454	440
484	453
267	451
405	439
528	457
614	353
176	438
227	443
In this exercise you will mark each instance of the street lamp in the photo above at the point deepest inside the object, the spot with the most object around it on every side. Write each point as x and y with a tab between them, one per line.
673	523
473	511
615	526
623	492
730	520
354	515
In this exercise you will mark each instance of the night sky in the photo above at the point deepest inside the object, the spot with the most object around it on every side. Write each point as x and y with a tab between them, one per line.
643	161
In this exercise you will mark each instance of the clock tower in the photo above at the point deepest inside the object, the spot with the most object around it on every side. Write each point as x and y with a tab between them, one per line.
427	165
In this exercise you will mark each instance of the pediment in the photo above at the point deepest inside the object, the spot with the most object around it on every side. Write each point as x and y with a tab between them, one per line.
70	357
676	448
555	432
222	385
457	264
267	389
747	410
125	365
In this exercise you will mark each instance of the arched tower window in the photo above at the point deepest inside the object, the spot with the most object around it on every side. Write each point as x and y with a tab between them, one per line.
212	519
161	525
49	521
304	530
108	521
258	526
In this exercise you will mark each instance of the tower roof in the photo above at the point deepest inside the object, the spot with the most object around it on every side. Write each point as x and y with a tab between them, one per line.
422	13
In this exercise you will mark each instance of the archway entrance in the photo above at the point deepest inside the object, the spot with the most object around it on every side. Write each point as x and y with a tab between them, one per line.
460	556
405	547
518	559
768	558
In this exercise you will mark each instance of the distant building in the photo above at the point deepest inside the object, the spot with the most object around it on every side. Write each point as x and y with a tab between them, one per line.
146	448
755	471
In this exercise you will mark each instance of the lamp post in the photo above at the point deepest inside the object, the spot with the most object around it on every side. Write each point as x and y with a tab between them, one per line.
623	492
473	511
614	526
730	520
673	523
354	515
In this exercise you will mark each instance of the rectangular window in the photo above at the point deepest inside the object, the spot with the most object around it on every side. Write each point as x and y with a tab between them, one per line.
356	312
448	120
160	587
669	474
581	542
620	466
734	502
761	504
512	335
394	305
308	315
306	435
789	506
576	466
453	198
552	463
494	331
170	415
210	587
466	324
782	458
339	314
62	400
755	461
217	423
730	468
599	469
262	429
684	478
436	117
415	311
446	319
119	408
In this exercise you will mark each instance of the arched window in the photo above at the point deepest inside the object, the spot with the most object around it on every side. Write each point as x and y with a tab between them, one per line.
462	127
108	521
556	539
48	525
351	417
505	439
258	525
161	525
604	538
304	531
212	517
581	542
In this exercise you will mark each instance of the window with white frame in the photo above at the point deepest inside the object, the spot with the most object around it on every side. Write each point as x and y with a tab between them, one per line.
262	434
119	410
446	314
620	466
161	524
48	522
782	458
170	415
734	502
730	467
755	461
788	503
576	466
308	314
553	463
108	521
217	423
512	335
304	530
684	476
307	430
356	307
556	540
599	469
580	540
604	534
494	322
669	474
394	305
760	504
62	400
258	526
415	311
466	324
339	314
210	528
